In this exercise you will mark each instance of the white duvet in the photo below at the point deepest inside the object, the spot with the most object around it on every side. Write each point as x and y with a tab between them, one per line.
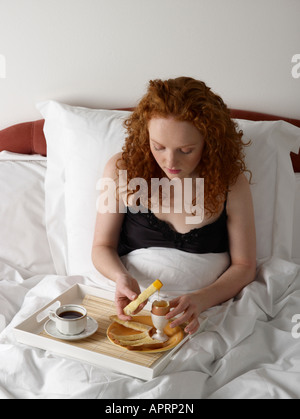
249	349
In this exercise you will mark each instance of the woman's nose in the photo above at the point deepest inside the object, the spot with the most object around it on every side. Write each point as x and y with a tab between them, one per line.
171	161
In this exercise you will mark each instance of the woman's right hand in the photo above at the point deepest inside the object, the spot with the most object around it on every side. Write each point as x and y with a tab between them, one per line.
127	290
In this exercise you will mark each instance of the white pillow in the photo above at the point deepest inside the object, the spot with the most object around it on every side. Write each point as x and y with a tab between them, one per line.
81	140
79	143
273	183
296	222
23	239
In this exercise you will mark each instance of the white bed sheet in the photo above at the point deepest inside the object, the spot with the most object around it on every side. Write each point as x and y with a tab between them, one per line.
247	350
23	237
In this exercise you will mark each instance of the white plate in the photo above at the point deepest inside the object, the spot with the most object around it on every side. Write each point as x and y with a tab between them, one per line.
91	328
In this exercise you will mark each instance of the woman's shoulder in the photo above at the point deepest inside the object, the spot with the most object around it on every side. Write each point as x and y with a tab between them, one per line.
239	193
241	183
113	165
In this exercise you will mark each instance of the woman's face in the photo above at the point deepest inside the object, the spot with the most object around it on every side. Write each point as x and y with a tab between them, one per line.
176	146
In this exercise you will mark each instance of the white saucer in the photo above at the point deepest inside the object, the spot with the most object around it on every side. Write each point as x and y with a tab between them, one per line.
91	328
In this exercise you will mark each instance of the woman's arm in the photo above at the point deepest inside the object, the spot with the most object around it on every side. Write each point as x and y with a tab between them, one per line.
242	245
242	248
107	233
104	252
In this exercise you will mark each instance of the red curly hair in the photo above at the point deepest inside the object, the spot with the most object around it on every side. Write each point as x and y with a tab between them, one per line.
187	99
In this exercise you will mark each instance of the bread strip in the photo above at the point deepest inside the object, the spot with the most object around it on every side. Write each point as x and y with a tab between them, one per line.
131	338
131	307
145	341
141	327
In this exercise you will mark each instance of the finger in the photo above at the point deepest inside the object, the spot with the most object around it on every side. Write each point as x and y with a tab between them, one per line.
121	314
174	302
192	327
120	304
182	319
181	308
127	292
140	307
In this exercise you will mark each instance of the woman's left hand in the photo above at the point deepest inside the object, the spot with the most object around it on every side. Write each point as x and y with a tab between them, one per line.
189	305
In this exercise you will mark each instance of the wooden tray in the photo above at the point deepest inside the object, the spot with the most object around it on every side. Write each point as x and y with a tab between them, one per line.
97	349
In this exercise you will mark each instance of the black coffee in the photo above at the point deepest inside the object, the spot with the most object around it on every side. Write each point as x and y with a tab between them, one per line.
70	315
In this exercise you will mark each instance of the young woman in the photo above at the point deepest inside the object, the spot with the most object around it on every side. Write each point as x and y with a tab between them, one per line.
180	130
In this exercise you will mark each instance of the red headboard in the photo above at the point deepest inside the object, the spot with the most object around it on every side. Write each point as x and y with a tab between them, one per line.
28	137
25	138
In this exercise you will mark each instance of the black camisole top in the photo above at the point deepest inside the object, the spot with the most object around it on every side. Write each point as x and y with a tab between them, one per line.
143	230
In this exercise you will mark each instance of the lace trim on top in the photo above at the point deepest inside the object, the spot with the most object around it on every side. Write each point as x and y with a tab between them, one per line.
180	238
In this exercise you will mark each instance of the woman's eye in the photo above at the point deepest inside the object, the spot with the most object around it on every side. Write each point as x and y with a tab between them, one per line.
186	151
158	148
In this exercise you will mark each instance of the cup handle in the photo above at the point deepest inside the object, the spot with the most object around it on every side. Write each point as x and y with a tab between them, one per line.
52	315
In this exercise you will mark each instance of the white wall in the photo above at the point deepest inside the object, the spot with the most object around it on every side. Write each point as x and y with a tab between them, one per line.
101	53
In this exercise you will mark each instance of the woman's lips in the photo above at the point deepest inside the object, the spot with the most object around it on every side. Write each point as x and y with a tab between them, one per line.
173	172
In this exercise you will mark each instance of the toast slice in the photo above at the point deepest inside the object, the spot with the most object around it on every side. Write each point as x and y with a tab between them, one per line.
147	340
140	327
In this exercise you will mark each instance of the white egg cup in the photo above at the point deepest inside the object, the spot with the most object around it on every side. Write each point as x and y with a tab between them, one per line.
158	313
159	322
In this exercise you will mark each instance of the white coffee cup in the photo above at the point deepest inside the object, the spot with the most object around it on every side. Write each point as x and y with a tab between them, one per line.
70	319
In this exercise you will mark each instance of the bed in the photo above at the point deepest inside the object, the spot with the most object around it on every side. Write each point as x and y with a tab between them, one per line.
48	175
